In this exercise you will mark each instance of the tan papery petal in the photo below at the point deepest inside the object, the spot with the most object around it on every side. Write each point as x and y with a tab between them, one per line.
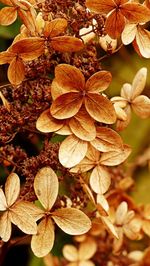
141	106
66	105
100	108
67	79
139	82
72	221
92	154
115	24
46	187
126	91
146	227
3	203
107	222
70	253
82	125
129	33
143	42
72	150
101	200
82	167
99	81
107	140
121	125
23	220
55	27
42	243
65	130
101	7
121	213
115	157
67	44
5	226
46	123
8	15
135	12
121	114
87	249
16	71
12	188
100	179
35	212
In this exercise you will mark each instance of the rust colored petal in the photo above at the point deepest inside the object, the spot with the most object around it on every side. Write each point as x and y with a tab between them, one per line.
72	221
135	12
55	27
107	140
46	187
100	179
100	108
115	24
16	71
72	150
99	81
46	123
8	15
102	7
43	241
28	18
67	44
6	57
66	105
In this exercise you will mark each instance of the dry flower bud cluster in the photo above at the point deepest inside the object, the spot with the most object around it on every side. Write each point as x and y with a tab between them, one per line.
58	93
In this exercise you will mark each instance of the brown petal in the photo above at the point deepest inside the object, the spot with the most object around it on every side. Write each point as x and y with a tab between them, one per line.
16	71
72	221
28	48
23	220
129	33
82	125
55	27
67	44
121	125
87	249
141	106
46	187
142	43
46	123
100	108
12	188
7	2
102	7
5	226
67	79
107	140
72	150
135	12
84	166
115	157
8	15
28	18
6	57
70	252
66	105
99	81
42	243
115	24
3	203
100	179
139	82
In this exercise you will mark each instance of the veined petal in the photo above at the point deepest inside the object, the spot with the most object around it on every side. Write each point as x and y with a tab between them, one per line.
107	140
141	106
100	108
138	83
3	203
16	71
43	241
100	179
66	105
12	188
5	226
99	81
8	15
93	154
6	57
46	187
129	33
72	221
67	44
143	42
84	166
115	24
67	79
102	7
46	123
70	253
55	27
72	150
135	12
29	207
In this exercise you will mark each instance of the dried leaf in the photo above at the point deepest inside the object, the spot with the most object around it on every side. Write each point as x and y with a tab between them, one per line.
5	226
100	179
99	81
12	188
141	106
66	105
72	221
70	253
42	243
46	187
107	140
8	15
46	123
100	108
72	150
67	44
16	71
55	27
